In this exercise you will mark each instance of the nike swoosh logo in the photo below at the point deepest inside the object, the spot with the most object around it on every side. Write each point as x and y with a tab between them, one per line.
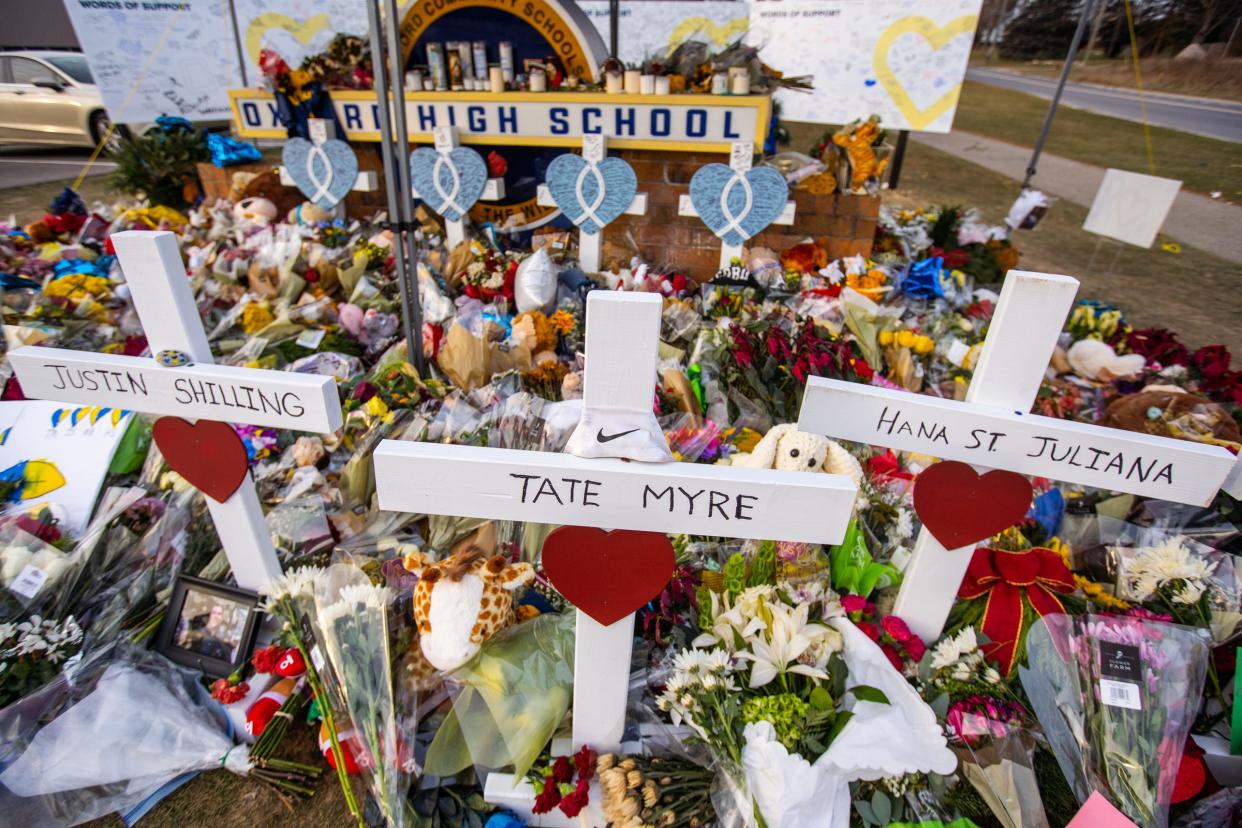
607	438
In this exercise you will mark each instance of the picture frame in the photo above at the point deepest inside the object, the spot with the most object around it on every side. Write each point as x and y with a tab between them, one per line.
209	626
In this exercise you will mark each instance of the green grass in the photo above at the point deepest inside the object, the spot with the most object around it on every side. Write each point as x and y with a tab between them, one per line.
1202	164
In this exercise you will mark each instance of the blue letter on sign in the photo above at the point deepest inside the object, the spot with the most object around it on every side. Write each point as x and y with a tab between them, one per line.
475	115
728	130
250	114
696	123
588	114
353	116
426	118
625	122
508	119
660	123
560	120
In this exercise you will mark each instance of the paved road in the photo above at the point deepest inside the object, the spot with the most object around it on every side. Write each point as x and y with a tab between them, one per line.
1194	219
20	166
1203	116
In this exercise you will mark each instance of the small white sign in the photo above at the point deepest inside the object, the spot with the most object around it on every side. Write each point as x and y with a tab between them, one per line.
1106	458
1131	207
312	338
29	581
280	399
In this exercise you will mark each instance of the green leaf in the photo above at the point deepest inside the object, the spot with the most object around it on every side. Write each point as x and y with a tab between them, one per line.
864	810
882	808
821	699
940	705
867	693
837	674
838	725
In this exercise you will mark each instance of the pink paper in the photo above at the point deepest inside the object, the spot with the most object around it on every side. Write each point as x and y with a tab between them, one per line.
1098	812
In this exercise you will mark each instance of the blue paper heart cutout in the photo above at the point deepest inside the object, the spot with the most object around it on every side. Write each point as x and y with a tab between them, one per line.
325	173
591	196
461	175
719	194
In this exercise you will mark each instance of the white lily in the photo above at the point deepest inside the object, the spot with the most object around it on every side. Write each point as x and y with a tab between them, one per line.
789	637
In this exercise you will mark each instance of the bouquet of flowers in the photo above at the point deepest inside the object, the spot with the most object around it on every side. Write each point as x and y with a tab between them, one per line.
491	275
33	652
795	702
1116	697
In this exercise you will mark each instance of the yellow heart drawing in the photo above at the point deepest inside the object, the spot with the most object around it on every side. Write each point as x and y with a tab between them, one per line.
706	28
938	37
303	32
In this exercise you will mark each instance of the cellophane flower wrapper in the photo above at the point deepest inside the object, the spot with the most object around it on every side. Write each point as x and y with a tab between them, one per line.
513	696
352	625
998	759
1130	754
105	736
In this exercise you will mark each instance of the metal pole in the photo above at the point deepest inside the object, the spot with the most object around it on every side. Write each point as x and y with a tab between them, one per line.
614	25
899	155
405	201
241	55
1056	97
413	337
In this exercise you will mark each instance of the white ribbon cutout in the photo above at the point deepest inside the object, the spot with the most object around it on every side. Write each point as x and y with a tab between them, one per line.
588	210
735	222
321	186
449	199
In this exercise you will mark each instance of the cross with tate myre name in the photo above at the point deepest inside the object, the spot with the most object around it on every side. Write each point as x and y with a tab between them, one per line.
993	429
151	262
607	489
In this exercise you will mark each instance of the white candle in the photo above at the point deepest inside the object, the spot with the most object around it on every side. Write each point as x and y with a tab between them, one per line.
647	85
612	83
739	80
538	81
720	83
663	85
496	78
633	81
414	80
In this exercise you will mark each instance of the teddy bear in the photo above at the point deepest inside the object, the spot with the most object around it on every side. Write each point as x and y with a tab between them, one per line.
785	448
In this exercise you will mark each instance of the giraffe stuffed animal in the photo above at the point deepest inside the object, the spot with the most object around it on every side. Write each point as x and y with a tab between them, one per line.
462	601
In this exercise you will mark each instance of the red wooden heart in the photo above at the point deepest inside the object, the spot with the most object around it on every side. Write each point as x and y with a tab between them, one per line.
607	575
961	507
209	454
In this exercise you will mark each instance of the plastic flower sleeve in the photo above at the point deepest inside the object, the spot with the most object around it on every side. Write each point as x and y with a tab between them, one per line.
1116	697
514	695
125	702
996	756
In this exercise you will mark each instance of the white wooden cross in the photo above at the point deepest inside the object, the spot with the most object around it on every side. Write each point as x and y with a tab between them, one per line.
367	181
993	429
446	140
594	150
609	493
741	158
161	293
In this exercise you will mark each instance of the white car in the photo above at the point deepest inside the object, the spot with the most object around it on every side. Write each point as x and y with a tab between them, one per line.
50	98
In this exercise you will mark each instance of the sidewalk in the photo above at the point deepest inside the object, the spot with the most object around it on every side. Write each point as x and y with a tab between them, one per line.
1195	220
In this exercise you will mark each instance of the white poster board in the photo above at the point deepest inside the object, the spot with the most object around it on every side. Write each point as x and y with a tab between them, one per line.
652	29
1131	207
901	59
295	29
152	59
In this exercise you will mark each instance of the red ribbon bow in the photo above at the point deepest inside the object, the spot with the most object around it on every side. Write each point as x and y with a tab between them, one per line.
1006	577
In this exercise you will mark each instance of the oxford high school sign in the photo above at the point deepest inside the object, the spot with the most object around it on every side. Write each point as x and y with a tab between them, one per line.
551	119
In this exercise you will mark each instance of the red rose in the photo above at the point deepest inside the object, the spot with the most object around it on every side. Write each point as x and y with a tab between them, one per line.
864	371
896	628
266	658
562	770
853	603
547	798
497	166
915	648
571	805
584	761
870	630
44	531
226	693
890	652
1212	360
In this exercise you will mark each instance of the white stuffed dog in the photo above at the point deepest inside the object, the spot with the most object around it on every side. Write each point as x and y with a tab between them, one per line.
786	448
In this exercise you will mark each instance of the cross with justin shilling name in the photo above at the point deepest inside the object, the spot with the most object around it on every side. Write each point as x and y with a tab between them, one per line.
195	389
993	429
608	491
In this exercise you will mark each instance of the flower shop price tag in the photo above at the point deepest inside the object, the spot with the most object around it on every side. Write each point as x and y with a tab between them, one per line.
1121	675
29	581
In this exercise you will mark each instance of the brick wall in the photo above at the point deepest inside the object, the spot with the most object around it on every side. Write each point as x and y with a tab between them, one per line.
844	224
